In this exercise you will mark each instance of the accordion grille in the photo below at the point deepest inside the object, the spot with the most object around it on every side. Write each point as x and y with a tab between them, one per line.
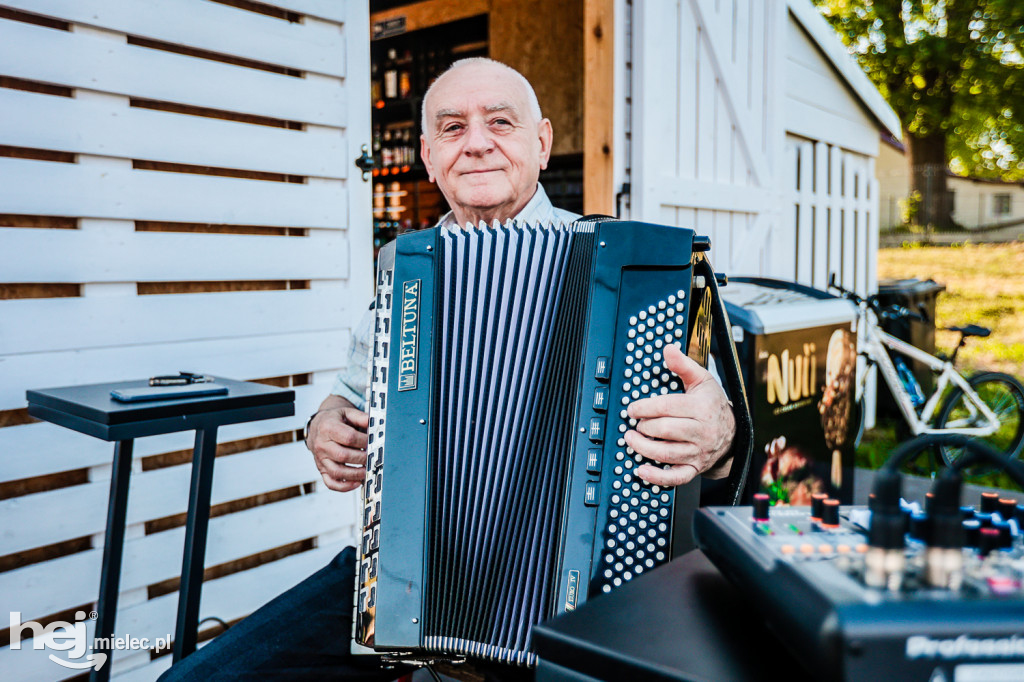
515	302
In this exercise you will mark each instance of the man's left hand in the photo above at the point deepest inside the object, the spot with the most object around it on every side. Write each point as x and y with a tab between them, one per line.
690	431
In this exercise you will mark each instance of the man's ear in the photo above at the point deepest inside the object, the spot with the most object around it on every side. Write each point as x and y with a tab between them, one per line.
425	155
545	134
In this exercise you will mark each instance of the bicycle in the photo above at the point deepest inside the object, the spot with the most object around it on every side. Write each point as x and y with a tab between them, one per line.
987	405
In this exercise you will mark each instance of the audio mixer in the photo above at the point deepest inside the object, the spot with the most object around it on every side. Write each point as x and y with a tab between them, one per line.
896	591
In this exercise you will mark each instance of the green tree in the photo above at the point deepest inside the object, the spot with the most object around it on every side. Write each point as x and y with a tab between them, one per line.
953	71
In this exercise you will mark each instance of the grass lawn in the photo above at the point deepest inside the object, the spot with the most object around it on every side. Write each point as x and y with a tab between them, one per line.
985	286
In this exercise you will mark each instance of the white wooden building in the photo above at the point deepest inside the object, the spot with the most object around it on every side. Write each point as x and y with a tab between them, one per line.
178	193
772	134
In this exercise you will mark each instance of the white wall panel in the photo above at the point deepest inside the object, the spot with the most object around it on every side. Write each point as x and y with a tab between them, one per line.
87	126
127	256
269	355
719	85
83	60
201	25
39	326
112	333
227	598
151	559
70	189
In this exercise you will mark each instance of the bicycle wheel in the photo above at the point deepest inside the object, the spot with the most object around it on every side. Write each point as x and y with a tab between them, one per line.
1004	395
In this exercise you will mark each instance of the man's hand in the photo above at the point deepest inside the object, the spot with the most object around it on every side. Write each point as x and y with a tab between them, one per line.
337	439
692	431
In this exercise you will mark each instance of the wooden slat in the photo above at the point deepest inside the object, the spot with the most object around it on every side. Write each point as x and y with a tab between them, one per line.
805	238
85	61
272	355
88	126
324	9
228	598
43	449
202	25
821	223
106	256
706	94
154	558
39	187
652	125
81	510
687	62
41	326
598	106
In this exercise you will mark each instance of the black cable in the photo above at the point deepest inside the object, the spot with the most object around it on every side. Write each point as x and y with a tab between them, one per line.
977	450
214	619
433	673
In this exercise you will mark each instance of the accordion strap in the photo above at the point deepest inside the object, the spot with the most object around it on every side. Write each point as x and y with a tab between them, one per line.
743	441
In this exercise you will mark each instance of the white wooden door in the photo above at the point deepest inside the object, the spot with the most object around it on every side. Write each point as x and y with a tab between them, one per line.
706	130
177	192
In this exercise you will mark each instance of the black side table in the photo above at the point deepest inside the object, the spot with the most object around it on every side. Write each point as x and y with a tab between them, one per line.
90	410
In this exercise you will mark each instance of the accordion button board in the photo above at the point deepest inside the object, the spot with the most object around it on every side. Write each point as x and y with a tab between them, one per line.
500	490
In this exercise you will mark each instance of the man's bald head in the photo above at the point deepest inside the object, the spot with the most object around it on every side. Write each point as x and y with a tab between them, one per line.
477	62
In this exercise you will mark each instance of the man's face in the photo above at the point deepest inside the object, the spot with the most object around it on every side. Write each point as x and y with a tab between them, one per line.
482	145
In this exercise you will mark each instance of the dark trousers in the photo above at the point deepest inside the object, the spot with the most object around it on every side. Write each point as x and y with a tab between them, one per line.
305	634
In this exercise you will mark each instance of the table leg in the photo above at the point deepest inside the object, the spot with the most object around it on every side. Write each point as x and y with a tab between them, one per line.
195	542
113	550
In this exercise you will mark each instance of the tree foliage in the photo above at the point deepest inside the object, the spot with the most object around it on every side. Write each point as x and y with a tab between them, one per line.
951	69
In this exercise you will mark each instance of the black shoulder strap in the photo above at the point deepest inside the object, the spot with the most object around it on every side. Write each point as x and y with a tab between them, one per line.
743	441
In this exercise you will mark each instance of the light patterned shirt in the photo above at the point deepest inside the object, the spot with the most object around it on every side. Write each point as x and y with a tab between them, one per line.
352	382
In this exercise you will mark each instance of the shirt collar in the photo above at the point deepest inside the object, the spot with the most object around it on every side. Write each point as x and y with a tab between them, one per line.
537	209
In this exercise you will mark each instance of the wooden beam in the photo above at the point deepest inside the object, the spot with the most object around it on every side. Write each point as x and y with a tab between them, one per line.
432	13
598	106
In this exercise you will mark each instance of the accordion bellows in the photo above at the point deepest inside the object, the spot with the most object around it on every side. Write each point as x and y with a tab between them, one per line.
499	490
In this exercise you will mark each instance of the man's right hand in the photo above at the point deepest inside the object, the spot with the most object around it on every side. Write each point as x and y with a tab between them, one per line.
337	439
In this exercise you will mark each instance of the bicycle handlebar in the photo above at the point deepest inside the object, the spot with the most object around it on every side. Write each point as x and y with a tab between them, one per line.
888	312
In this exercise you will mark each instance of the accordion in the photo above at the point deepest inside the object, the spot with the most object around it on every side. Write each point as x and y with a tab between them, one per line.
499	488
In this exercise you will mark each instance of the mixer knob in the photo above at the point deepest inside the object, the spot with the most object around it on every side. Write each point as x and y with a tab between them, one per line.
817	503
1007	508
761	505
989	503
830	513
988	540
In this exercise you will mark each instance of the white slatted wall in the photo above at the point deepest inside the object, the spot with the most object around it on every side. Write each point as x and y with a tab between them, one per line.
176	193
834	199
727	95
707	125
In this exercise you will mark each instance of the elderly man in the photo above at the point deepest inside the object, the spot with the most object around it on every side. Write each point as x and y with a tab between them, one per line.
484	143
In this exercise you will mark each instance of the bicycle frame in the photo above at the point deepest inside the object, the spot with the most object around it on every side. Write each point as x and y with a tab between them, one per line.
876	345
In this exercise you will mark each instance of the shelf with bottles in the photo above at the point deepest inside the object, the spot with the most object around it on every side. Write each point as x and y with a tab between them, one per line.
394	150
403	66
